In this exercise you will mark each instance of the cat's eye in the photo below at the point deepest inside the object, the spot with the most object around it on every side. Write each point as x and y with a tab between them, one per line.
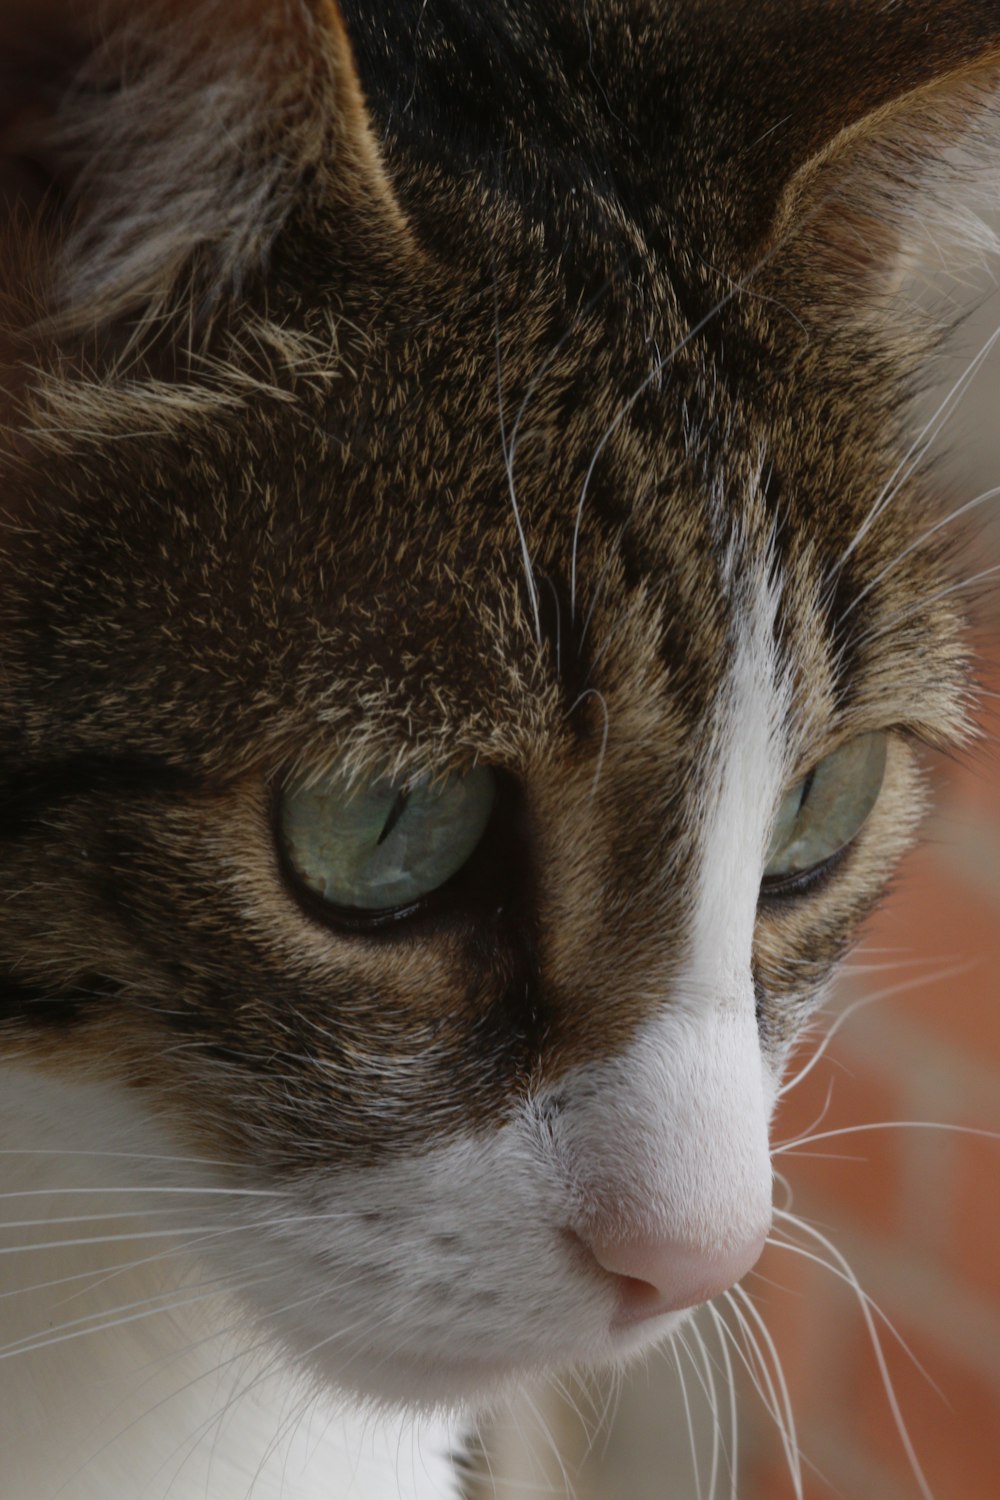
826	810
383	845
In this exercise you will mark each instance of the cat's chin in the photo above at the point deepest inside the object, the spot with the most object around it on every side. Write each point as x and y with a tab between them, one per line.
409	1381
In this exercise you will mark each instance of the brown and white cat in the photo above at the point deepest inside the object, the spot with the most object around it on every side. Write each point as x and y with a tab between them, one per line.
468	620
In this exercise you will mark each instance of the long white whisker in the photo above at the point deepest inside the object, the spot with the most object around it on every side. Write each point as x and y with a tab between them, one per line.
242	1354
921	605
142	1312
851	1281
789	1435
845	1015
879	1353
734	1434
918	448
695	1467
955	515
626	407
141	1190
594	693
509	468
757	1369
156	1234
829	1135
711	1393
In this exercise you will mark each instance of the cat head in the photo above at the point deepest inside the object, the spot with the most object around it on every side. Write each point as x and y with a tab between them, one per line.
467	619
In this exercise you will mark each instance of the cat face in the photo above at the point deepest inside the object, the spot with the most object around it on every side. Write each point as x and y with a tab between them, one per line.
487	470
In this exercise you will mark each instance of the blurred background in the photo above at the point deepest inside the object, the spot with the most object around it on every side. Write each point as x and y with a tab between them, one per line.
911	1214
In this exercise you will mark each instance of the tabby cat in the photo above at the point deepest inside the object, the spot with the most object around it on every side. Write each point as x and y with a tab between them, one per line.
469	609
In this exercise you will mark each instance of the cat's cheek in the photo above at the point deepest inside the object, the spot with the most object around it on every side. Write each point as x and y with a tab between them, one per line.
441	1273
437	1276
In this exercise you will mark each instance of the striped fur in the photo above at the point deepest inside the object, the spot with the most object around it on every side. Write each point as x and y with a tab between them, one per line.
510	384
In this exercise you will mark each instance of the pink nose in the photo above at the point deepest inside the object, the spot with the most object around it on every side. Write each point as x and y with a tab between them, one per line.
661	1276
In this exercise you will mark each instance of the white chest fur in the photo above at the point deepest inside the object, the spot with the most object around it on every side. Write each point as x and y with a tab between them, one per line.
125	1371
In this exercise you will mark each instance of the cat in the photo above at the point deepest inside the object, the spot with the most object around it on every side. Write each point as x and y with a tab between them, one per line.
469	612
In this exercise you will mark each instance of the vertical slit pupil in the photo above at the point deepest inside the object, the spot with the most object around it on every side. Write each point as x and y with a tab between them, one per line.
395	813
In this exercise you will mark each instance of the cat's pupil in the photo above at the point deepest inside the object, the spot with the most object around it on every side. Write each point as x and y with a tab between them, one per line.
395	813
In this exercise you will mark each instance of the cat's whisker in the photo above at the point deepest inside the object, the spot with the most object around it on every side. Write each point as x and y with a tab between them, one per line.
708	1385
889	966
118	1239
97	1279
167	1233
140	1311
877	1350
921	605
145	1156
734	1430
593	693
608	1396
827	1135
789	1437
100	1322
822	1156
548	1437
824	1111
918	449
955	515
842	1018
101	1218
568	1401
196	1247
236	1325
676	1344
285	1427
141	1190
850	1280
623	411
753	1361
244	1355
509	469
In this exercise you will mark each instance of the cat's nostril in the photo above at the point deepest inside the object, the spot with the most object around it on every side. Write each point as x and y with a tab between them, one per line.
662	1276
640	1300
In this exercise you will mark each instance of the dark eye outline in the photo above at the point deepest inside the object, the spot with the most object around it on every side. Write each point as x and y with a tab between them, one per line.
491	877
778	888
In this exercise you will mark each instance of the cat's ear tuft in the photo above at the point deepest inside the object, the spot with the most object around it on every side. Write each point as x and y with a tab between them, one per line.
873	141
150	148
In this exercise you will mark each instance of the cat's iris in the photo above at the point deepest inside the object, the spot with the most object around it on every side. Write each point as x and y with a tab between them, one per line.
825	810
384	844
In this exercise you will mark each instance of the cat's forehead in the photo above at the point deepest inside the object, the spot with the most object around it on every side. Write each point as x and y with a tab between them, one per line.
458	517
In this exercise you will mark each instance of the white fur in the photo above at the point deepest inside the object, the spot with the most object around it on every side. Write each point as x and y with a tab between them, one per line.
431	1278
186	1400
673	1135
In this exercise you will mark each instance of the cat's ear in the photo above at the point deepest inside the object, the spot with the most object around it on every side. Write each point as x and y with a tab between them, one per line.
873	138
152	145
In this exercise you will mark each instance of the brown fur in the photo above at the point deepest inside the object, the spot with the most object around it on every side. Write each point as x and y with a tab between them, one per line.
259	521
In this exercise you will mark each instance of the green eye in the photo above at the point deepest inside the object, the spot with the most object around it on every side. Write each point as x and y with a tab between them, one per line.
384	844
824	811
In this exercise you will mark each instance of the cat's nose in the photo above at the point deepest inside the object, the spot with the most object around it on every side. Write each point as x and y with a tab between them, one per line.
662	1276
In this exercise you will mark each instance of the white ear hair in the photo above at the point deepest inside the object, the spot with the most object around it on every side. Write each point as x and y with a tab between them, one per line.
903	191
